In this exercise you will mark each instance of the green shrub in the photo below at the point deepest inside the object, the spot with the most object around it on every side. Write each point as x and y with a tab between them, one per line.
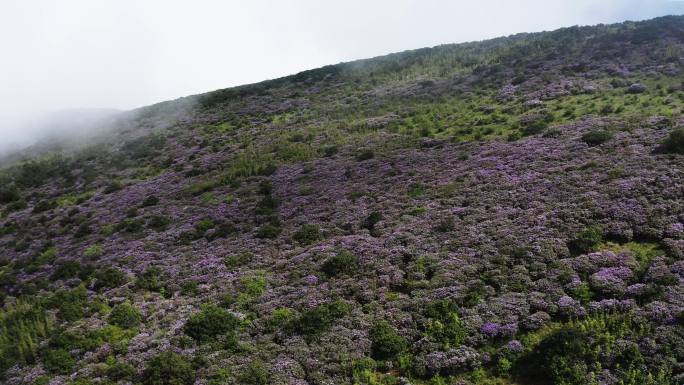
280	318
130	225
365	155
268	231
120	371
150	280
344	263
675	141
125	315
370	221
444	323
158	222
9	194
386	344
168	368
112	187
109	277
596	137
16	206
70	303
255	374
265	187
534	127
236	260
150	200
190	288
416	190
267	205
586	241
44	205
66	270
307	234
569	353
209	323
253	286
320	318
204	225
94	251
22	326
58	361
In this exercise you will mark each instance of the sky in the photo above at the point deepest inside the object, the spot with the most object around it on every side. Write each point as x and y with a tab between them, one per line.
122	54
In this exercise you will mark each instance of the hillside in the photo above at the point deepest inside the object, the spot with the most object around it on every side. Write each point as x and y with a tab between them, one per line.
500	212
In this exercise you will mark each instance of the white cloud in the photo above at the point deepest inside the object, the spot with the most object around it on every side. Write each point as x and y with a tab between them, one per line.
127	53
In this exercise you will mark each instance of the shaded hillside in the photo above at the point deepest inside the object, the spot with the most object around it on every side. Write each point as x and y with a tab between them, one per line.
500	212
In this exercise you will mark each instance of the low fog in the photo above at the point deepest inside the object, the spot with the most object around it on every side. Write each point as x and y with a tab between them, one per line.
69	65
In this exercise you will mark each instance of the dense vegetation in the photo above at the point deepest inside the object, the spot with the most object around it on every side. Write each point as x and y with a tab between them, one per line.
500	212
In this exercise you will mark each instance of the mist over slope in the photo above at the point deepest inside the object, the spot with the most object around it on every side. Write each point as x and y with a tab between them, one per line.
499	212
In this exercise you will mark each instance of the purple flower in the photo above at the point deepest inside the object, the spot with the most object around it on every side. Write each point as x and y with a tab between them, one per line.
311	279
490	329
514	346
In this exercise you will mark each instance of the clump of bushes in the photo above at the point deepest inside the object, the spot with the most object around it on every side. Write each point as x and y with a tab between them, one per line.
386	343
343	263
596	137
675	141
570	354
443	323
120	371
209	323
130	225
66	270
125	316
236	260
190	289
150	200
221	230
58	361
112	187
71	304
365	155
370	221
168	368
23	324
268	231
307	234
44	205
267	205
109	277
255	374
586	241
320	318
150	280
158	222
93	251
9	194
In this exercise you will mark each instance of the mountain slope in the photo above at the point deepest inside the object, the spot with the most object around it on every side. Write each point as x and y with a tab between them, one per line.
506	211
